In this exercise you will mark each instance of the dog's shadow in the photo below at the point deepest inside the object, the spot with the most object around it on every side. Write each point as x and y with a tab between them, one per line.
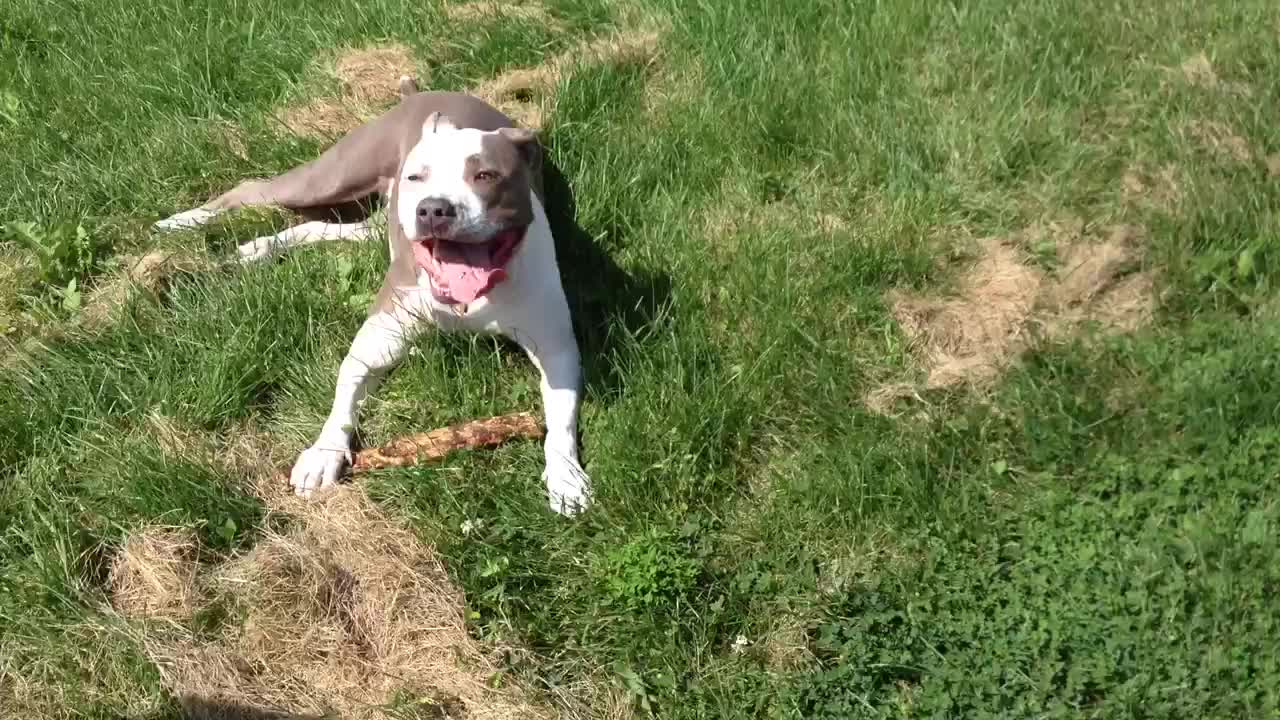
608	303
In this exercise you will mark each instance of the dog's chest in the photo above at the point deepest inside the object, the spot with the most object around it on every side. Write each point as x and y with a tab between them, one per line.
485	314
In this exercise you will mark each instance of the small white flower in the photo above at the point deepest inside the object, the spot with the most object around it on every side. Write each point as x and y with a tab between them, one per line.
469	526
413	351
740	644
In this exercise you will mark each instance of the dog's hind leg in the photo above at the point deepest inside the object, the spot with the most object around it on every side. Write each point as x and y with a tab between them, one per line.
357	167
304	234
307	189
343	176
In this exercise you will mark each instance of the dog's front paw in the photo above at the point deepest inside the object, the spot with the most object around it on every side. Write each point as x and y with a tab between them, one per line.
185	220
318	467
568	487
258	249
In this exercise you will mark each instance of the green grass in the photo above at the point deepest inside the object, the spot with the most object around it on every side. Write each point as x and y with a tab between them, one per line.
1094	536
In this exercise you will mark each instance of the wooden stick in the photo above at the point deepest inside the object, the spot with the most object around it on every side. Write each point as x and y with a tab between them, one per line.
436	444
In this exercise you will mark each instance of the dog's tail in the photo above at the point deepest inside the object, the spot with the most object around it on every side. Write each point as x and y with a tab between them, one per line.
408	86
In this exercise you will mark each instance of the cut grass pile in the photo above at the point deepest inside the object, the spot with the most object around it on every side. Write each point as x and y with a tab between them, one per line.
347	613
929	353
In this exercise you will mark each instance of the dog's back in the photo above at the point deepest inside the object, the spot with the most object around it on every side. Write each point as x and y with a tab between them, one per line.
364	162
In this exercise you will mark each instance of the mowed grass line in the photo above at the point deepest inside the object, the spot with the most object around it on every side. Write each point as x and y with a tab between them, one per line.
1093	536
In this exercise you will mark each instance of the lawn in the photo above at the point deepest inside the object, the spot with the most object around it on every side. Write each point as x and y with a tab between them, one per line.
930	362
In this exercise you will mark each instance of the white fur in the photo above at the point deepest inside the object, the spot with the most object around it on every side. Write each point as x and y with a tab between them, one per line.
194	217
380	344
304	234
439	159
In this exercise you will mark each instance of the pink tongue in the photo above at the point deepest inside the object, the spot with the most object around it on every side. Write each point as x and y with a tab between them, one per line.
466	271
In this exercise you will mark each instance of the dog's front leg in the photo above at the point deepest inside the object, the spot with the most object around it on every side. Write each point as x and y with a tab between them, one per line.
556	356
378	346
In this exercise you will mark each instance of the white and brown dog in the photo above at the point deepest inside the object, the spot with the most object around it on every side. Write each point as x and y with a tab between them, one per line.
471	249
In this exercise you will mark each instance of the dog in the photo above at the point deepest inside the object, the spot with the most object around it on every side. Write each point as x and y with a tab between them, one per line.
471	250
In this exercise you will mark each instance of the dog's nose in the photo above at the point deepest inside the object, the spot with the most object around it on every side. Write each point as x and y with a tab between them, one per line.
437	209
436	214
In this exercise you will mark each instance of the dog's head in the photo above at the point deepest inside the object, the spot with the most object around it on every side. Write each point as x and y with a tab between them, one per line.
464	203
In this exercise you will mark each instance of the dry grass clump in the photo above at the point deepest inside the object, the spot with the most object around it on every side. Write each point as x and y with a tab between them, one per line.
372	75
146	273
489	11
321	118
101	303
345	614
154	574
1003	303
231	136
1097	283
527	94
972	335
1221	141
16	270
1161	189
369	80
737	212
1198	71
786	644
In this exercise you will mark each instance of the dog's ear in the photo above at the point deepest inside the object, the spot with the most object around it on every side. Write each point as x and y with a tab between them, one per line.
408	86
526	141
518	135
436	122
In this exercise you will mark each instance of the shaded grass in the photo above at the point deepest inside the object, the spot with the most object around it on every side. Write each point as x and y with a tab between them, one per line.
1093	536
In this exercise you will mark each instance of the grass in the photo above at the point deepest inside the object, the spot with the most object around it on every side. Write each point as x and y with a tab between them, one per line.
1091	535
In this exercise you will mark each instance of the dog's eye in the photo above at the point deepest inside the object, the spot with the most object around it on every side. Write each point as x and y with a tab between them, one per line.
414	178
486	176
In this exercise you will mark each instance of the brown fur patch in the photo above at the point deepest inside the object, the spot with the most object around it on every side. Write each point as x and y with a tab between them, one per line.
344	613
1003	304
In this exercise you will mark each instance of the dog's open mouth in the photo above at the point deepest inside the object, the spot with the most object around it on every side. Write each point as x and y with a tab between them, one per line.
461	272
